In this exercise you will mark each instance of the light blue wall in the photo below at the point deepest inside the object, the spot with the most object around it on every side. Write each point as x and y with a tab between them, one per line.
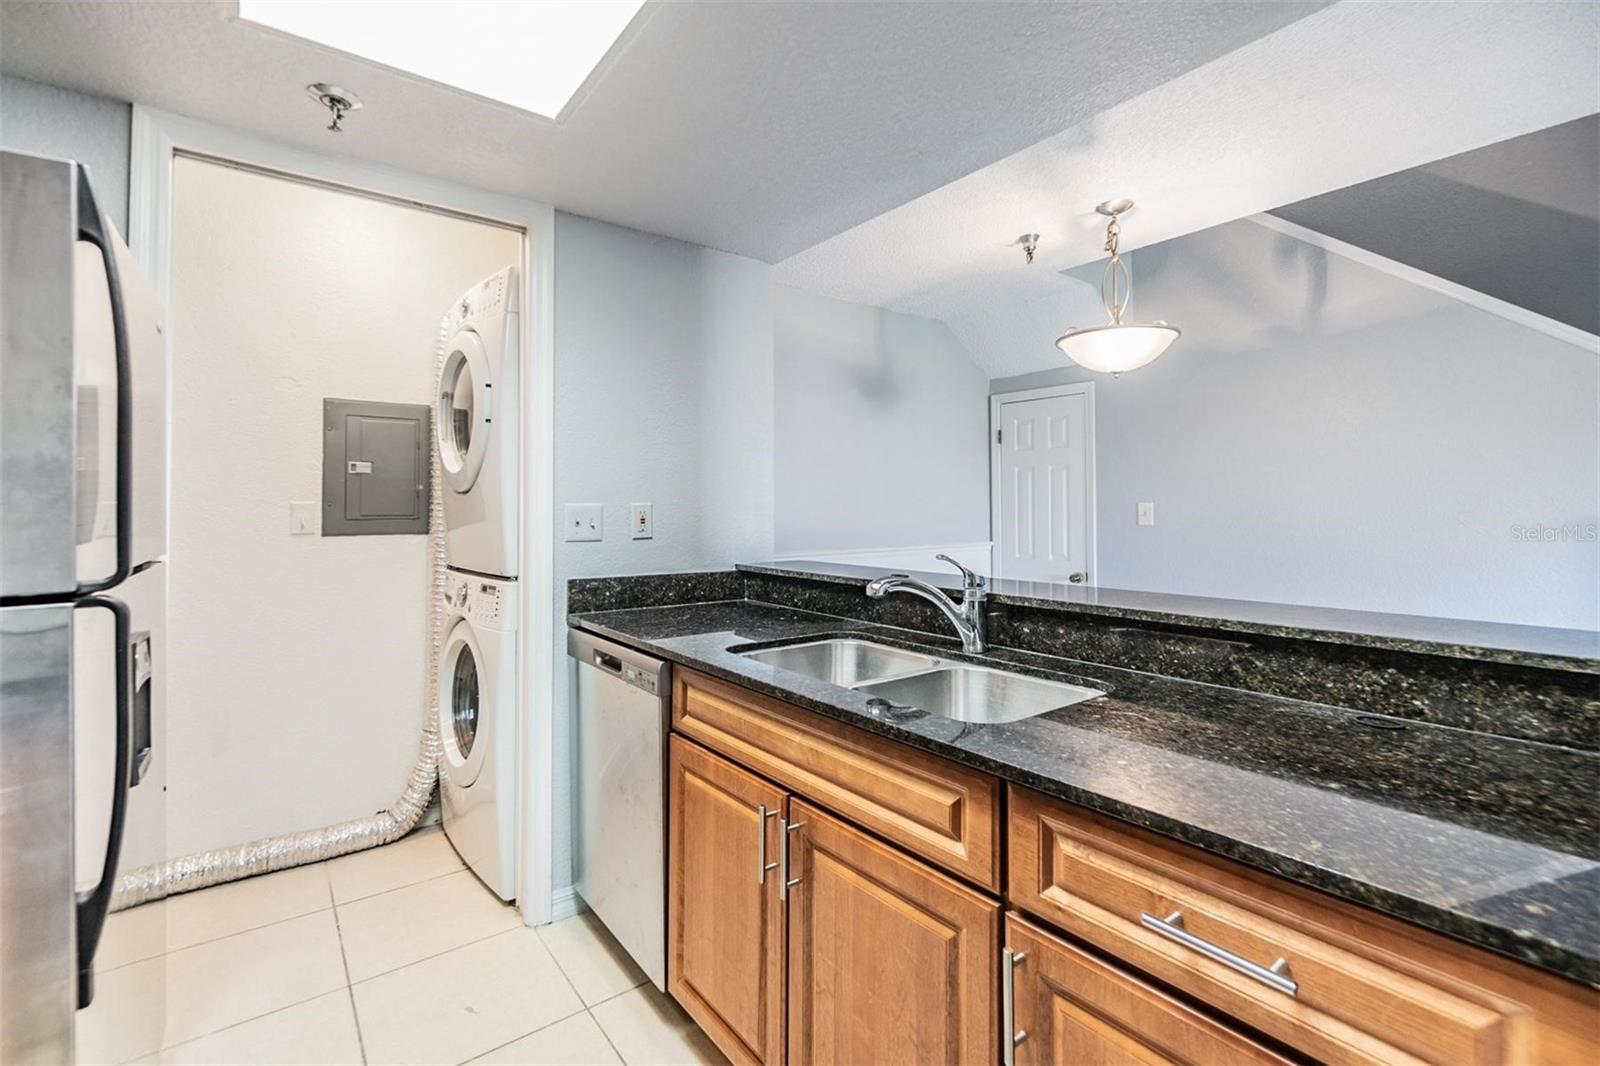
1326	433
663	395
881	427
45	120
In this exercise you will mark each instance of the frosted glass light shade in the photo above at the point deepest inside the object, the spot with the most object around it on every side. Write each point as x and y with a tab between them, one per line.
1114	348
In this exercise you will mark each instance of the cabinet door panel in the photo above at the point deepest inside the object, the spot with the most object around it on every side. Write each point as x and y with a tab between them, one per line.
890	961
725	930
1078	1010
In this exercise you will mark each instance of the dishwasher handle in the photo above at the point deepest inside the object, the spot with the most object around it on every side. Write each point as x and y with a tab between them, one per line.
632	667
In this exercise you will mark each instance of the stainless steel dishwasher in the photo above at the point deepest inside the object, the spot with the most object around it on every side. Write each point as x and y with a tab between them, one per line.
620	703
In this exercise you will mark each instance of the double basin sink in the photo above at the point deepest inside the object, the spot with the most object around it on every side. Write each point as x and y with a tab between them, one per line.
909	679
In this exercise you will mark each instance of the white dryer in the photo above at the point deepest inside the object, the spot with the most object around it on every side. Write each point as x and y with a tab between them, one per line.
476	425
477	701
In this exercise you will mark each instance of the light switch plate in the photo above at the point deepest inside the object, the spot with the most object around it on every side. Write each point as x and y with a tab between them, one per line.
302	518
1147	514
585	521
640	519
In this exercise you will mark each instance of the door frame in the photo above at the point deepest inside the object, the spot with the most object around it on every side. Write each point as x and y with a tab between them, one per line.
156	138
996	400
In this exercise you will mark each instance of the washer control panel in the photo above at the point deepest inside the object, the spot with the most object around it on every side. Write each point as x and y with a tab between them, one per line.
489	603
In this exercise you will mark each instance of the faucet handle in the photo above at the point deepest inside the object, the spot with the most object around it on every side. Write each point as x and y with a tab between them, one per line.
970	579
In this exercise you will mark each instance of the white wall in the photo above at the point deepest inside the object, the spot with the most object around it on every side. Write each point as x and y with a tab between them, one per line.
663	395
45	120
1327	433
297	662
881	421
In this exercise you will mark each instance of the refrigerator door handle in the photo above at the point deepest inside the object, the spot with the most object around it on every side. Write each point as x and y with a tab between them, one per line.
95	904
142	743
92	228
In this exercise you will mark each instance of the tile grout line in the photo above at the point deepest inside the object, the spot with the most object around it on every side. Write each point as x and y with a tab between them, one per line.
584	1006
349	987
333	905
524	1036
246	1021
437	954
588	1008
612	1044
396	888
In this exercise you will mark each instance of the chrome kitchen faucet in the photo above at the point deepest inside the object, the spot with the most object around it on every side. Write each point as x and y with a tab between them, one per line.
967	616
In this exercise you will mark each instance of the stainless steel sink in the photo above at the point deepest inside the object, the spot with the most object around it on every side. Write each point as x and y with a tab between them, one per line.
844	662
978	694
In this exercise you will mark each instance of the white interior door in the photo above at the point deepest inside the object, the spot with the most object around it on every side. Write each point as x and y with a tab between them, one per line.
1043	484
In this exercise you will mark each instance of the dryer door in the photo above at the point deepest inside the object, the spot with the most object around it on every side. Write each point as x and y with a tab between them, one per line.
465	410
464	699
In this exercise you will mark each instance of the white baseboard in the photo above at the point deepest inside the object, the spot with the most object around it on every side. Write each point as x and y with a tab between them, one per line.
565	902
977	555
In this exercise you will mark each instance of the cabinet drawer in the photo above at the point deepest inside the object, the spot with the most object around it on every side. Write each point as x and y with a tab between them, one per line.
1074	1008
945	813
1362	988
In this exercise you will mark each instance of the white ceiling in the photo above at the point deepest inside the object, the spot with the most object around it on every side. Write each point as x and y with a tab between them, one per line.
758	128
1347	94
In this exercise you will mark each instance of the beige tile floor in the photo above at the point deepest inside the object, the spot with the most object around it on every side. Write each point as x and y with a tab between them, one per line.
396	955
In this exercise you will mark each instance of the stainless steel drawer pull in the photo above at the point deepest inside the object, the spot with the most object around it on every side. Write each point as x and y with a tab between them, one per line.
762	865
1274	976
1011	1036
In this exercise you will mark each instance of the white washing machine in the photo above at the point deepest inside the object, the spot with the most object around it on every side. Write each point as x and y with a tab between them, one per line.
478	726
476	423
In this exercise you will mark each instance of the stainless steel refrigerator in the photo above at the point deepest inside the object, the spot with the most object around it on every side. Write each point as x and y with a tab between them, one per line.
82	600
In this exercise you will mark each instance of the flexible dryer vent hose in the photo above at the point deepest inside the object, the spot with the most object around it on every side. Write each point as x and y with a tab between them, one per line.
202	869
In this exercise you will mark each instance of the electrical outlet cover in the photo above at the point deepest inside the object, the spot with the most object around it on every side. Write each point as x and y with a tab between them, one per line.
640	520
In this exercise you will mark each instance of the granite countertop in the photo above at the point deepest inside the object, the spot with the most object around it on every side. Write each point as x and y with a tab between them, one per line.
1492	840
1499	642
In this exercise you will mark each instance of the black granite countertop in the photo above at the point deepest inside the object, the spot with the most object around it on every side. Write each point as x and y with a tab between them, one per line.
1519	645
1492	840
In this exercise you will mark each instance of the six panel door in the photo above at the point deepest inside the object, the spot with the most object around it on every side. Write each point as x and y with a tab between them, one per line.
725	927
889	960
1042	492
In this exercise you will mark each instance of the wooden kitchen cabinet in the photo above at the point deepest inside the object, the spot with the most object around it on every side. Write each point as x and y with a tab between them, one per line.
1072	1008
883	946
867	955
725	922
890	961
1351	986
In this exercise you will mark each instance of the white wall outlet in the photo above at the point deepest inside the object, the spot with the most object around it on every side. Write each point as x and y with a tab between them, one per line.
302	518
1147	514
639	520
585	521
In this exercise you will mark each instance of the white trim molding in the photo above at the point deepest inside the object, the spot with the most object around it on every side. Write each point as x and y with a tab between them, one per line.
565	902
975	555
1076	388
157	136
1522	316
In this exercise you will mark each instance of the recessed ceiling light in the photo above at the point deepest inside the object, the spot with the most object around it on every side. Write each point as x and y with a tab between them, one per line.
530	55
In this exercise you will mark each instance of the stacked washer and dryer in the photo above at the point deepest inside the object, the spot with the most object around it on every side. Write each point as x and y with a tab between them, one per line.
476	426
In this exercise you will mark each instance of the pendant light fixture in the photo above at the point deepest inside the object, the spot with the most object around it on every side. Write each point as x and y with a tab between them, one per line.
1117	345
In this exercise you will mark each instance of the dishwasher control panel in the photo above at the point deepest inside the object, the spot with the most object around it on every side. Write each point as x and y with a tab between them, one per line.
645	679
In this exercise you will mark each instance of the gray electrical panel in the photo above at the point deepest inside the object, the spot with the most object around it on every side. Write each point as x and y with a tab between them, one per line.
374	467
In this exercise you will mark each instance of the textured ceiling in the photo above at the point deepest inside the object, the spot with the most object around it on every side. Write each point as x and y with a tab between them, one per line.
758	128
1519	220
1344	95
